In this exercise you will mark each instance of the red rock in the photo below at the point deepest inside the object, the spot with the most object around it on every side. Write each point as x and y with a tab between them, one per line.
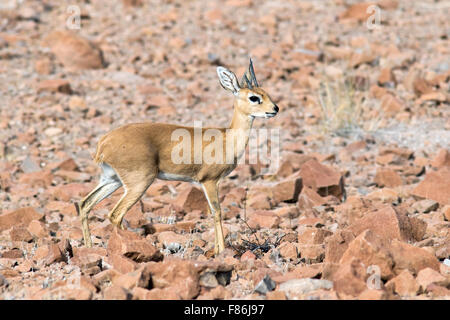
438	291
309	198
358	11
404	284
446	210
288	251
217	293
68	293
248	255
311	222
176	273
428	276
191	199
169	293
386	77
18	217
38	229
132	3
411	258
276	295
87	259
337	244
391	104
73	51
350	278
355	146
433	96
41	179
67	164
322	179
55	85
402	153
370	250
62	207
389	223
14	253
384	195
5	179
260	201
20	233
435	186
287	190
263	219
185	226
121	263
442	159
285	169
43	66
373	294
116	293
70	191
72	176
388	178
168	237
359	58
133	279
312	253
312	235
132	246
135	217
54	255
290	212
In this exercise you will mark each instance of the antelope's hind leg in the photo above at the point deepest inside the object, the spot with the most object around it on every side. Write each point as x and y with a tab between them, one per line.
135	184
109	182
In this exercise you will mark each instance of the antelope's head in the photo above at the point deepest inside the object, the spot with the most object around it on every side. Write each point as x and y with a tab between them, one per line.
250	99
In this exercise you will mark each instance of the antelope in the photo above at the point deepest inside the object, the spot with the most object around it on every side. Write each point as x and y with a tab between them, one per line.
135	154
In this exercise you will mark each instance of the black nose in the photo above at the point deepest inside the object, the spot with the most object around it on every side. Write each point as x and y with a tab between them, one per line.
276	108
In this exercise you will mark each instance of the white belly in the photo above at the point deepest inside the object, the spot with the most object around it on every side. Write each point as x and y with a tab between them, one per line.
174	177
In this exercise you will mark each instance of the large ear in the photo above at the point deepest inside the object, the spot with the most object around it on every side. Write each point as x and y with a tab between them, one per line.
228	80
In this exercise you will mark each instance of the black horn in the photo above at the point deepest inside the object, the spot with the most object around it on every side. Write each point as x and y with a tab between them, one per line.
252	74
245	83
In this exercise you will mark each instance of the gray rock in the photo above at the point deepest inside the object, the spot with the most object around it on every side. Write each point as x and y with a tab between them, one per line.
29	165
265	285
208	280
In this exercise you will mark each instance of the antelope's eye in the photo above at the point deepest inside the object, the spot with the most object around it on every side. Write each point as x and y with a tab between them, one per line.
254	99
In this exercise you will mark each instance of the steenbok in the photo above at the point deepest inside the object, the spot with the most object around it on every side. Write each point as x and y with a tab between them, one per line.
134	155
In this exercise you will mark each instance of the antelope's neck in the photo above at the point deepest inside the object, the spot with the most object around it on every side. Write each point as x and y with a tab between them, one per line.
240	127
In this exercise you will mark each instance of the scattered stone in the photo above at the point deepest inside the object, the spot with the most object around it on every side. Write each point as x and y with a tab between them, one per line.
428	276
265	285
404	284
191	199
435	186
304	286
132	246
322	179
18	217
73	51
55	85
409	257
388	178
389	223
425	206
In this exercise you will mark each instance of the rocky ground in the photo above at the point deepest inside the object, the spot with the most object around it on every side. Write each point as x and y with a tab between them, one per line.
359	207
